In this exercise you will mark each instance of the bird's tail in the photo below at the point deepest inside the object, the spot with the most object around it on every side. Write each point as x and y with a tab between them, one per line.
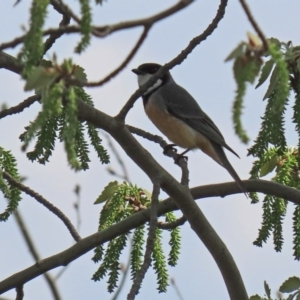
226	164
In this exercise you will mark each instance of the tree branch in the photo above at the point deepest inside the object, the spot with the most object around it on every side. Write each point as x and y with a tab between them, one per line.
102	31
254	24
34	253
149	245
10	63
86	244
64	9
175	61
179	193
20	292
64	22
20	107
171	225
124	63
44	202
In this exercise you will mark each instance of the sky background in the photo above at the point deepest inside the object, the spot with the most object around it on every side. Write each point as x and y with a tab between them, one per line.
210	80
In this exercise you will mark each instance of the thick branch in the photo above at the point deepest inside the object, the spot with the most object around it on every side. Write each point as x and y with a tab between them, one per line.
179	193
90	242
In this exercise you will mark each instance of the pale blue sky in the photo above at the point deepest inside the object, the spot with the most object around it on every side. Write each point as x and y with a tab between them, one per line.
210	81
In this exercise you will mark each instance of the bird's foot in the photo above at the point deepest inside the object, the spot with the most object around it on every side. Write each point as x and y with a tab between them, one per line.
179	157
169	147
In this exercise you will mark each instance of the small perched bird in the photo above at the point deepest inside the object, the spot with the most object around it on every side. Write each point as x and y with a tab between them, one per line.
179	117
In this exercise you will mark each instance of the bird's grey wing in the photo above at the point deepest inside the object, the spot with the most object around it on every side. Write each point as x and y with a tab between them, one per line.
183	106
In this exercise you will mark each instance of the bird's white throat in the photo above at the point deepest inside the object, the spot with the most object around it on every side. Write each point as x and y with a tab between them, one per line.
143	78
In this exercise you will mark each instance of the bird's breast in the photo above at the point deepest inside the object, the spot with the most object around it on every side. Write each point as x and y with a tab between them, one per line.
174	129
177	131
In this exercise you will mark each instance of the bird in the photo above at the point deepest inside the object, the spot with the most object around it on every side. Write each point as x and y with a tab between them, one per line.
175	112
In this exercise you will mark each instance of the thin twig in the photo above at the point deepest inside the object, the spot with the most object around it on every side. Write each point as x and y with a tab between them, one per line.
44	202
149	136
182	162
57	31
20	292
78	223
173	283
149	246
175	61
64	9
102	31
254	24
20	107
124	63
170	152
64	22
120	161
125	273
77	190
34	253
171	225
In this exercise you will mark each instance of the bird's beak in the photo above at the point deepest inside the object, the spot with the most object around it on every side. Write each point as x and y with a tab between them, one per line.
137	71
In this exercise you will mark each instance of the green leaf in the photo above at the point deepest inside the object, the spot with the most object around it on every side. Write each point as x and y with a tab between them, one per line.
79	74
255	297
265	72
298	64
40	78
46	63
275	41
108	191
267	290
290	285
268	166
237	52
273	82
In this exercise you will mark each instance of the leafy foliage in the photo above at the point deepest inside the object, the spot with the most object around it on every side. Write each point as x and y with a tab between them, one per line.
270	148
33	49
248	61
121	201
174	241
160	265
291	286
85	25
8	164
274	209
58	116
246	67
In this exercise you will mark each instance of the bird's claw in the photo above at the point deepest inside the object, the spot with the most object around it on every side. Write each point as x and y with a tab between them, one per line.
169	147
179	157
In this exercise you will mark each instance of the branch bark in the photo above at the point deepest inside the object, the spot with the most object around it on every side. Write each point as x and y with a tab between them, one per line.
86	244
35	255
44	202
